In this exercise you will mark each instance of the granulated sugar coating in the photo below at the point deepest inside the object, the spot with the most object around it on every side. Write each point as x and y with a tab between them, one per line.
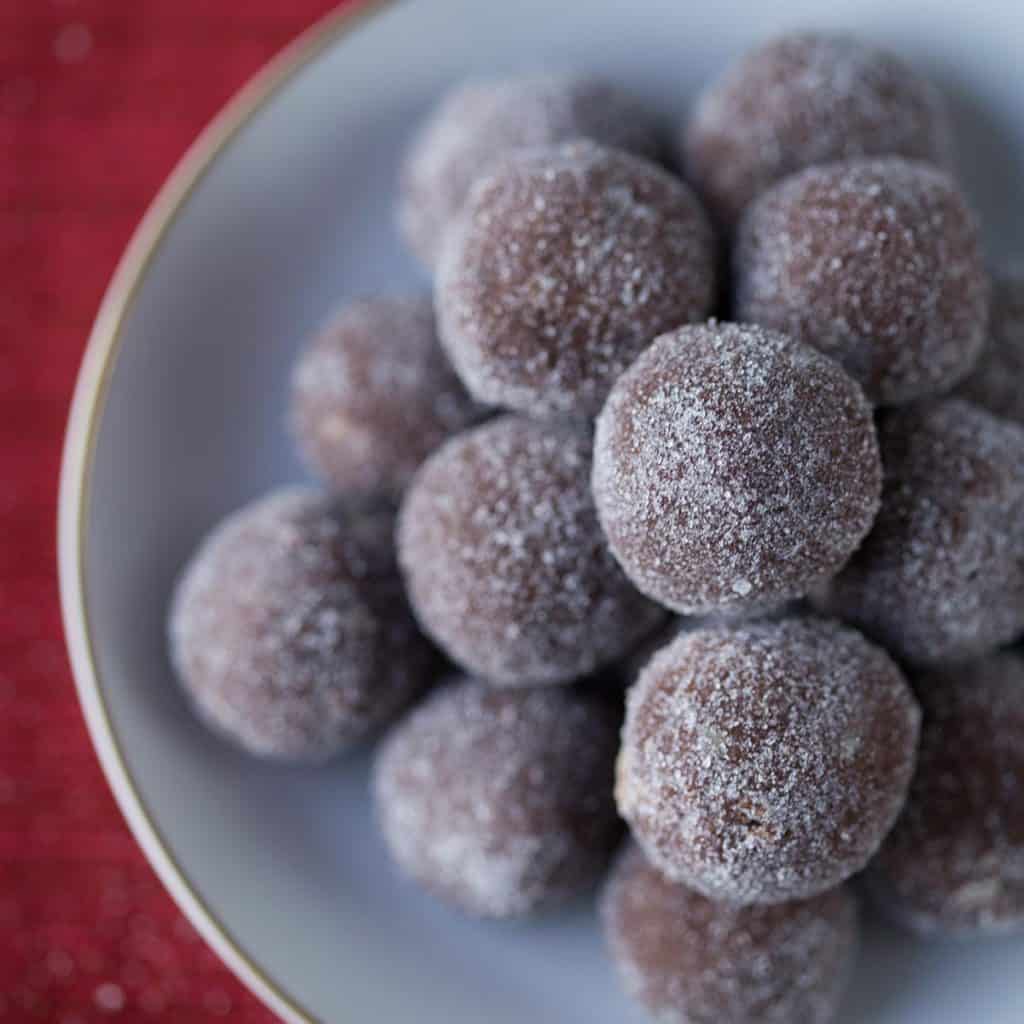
806	99
734	468
875	262
691	961
289	629
504	559
997	382
374	394
481	120
633	664
941	577
954	863
766	762
565	263
500	801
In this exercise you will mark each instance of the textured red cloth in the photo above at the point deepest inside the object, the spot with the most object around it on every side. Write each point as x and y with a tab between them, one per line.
98	98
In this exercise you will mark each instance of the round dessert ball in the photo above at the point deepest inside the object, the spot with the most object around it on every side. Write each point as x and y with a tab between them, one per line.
564	264
766	762
504	560
691	961
875	262
289	630
954	863
997	383
374	394
499	801
734	468
803	99
941	577
481	120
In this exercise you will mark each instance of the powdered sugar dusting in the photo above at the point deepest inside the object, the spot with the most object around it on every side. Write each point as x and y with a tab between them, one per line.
482	120
734	468
941	576
691	961
564	264
954	863
374	394
804	99
875	262
766	762
504	559
289	630
997	382
500	800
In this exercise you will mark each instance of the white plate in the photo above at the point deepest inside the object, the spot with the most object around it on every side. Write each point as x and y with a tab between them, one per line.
284	208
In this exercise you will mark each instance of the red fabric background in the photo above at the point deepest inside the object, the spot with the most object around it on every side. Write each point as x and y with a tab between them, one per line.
98	99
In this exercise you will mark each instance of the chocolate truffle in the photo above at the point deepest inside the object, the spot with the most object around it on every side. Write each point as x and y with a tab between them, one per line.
500	800
734	468
481	120
805	99
954	863
289	630
766	762
997	383
504	559
875	262
374	394
565	263
941	577
690	961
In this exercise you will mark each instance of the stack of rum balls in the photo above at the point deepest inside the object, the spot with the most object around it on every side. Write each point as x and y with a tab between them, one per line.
796	534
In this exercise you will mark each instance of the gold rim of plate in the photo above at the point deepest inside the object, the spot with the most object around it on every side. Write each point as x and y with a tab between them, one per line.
88	404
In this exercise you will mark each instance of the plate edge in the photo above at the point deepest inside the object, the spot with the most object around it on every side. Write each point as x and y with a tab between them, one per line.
87	406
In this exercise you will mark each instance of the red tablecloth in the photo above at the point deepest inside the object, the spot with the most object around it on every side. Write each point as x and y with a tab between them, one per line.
98	98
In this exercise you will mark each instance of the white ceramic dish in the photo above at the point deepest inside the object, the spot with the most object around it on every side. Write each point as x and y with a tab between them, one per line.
282	208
